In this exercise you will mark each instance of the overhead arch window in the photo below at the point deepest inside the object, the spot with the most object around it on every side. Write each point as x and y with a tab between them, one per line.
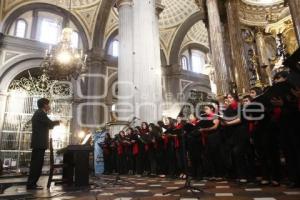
184	62
198	61
75	39
193	60
21	27
49	31
45	26
113	48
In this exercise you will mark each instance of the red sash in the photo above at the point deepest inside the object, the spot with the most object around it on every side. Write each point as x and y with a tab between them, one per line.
277	113
120	149
135	149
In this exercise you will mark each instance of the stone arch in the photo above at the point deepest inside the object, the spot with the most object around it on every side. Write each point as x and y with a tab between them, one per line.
182	31
45	7
99	31
14	67
193	45
110	39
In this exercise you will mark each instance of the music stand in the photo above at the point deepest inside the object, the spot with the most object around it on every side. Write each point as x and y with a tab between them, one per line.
187	185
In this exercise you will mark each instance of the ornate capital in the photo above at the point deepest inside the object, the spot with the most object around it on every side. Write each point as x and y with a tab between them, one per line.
123	3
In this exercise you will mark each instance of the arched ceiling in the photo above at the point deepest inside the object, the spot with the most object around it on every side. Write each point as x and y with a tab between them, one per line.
198	33
262	12
176	12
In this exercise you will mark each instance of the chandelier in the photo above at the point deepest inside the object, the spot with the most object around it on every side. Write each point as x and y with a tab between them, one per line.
64	61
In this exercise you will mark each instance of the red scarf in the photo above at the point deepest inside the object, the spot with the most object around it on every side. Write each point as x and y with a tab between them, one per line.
234	105
251	127
135	149
277	113
120	149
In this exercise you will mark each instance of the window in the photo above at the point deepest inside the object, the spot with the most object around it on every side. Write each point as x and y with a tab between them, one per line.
50	31
21	27
184	62
198	61
193	60
115	48
44	26
75	40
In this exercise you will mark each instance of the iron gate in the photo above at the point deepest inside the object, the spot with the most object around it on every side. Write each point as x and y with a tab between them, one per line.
15	135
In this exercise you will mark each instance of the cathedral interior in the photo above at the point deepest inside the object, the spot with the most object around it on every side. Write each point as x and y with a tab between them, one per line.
110	63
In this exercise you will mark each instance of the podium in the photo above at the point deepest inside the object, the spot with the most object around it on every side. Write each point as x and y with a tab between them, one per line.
76	164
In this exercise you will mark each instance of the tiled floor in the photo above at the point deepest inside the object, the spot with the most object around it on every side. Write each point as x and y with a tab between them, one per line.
153	188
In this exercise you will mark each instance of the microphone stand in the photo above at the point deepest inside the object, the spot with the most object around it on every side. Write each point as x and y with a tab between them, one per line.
187	185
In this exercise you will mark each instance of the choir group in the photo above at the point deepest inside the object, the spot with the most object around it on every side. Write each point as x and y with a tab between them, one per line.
216	143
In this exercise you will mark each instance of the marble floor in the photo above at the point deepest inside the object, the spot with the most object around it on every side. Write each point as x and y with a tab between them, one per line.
153	188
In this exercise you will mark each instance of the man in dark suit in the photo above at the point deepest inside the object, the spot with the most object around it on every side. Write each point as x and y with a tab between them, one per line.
39	141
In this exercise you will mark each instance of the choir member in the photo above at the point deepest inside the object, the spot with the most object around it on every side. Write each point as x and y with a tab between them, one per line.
180	147
130	153
195	148
107	154
237	137
121	162
213	142
161	155
169	138
142	159
152	149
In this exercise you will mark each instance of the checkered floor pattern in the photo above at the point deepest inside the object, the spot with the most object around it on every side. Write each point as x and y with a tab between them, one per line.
153	189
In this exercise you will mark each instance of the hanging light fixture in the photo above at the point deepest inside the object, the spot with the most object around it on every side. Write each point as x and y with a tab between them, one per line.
63	60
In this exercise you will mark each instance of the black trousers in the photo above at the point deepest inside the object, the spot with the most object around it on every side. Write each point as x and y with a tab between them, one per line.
171	158
270	156
213	155
36	165
195	150
290	144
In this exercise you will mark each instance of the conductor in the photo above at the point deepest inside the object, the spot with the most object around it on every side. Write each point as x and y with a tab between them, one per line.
39	141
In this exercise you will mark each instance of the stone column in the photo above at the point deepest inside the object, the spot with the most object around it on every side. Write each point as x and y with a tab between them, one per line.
295	12
146	61
217	47
96	110
239	60
125	61
262	55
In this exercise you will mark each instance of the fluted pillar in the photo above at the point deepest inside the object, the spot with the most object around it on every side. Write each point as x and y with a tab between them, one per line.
125	61
295	12
146	61
217	47
237	46
262	55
